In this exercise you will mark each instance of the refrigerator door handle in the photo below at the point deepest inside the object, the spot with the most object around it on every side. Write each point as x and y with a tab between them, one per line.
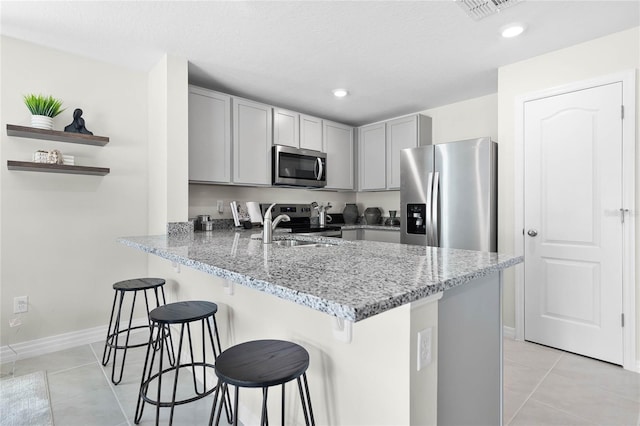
434	204
427	220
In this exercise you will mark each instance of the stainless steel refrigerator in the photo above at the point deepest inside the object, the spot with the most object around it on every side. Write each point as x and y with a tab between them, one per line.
449	195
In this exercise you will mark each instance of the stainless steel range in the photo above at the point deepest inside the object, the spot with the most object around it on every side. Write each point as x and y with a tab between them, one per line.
300	222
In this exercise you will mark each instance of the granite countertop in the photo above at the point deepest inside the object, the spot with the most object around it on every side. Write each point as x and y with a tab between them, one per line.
352	280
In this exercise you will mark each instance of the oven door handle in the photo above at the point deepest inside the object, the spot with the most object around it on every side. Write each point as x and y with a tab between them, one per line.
319	168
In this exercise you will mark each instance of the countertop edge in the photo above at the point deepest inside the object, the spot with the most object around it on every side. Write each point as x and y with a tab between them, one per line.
350	313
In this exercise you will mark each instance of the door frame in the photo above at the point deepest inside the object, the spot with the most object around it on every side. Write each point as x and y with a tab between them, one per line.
628	79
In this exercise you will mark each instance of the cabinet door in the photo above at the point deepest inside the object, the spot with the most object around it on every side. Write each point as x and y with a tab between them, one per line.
310	132
371	156
401	133
285	128
338	145
209	136
381	236
251	142
352	234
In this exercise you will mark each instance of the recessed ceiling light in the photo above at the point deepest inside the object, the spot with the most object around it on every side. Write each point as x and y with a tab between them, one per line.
512	30
340	93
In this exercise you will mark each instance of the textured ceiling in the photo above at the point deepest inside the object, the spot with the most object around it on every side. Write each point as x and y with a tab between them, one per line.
394	57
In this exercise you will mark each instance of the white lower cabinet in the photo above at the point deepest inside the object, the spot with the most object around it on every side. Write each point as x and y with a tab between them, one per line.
383	236
252	141
209	136
338	145
352	234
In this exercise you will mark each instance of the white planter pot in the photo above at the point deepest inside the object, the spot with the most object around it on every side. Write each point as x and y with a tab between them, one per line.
42	122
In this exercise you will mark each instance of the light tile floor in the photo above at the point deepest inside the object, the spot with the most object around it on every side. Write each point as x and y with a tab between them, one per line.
82	394
542	386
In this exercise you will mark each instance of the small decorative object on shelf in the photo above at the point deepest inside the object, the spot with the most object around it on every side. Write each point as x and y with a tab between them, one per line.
43	109
52	157
55	157
77	126
41	156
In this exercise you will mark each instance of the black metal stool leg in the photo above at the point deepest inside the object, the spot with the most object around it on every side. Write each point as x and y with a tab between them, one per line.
306	403
283	404
126	344
171	353
149	359
177	369
264	419
107	341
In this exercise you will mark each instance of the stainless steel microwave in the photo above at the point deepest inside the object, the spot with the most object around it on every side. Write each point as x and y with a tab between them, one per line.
299	167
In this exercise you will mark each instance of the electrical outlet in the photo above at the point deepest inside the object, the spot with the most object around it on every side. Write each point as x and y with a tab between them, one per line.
424	348
20	304
220	206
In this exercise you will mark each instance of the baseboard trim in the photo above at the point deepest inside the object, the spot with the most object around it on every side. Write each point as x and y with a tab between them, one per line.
46	345
508	332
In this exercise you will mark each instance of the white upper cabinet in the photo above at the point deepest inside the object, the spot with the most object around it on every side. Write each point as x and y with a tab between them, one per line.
286	128
310	132
401	133
338	145
252	136
209	136
371	156
379	149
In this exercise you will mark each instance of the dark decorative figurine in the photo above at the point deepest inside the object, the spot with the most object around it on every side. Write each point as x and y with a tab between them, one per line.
78	124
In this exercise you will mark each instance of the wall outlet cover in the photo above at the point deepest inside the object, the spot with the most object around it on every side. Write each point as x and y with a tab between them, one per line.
424	348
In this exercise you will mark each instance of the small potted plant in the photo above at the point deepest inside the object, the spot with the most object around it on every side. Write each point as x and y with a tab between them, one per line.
43	109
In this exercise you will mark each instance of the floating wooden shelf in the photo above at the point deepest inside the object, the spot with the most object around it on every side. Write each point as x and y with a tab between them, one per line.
28	166
55	135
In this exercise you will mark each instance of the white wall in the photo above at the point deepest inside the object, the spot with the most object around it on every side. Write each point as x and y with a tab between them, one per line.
168	143
479	116
606	55
58	231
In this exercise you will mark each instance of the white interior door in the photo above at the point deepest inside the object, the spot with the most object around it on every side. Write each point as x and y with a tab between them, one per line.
573	222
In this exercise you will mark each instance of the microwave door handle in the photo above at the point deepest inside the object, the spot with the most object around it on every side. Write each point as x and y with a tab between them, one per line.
320	168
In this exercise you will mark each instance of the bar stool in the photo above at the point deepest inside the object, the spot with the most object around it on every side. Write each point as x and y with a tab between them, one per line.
183	314
262	364
112	343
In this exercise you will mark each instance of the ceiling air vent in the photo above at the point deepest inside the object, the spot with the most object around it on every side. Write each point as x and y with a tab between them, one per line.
478	9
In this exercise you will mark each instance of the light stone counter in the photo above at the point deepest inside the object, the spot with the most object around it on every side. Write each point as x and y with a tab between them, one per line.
352	280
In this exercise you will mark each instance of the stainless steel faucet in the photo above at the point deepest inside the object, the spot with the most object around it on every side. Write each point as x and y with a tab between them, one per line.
323	217
270	225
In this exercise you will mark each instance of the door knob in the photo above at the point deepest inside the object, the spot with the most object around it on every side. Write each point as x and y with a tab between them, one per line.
532	232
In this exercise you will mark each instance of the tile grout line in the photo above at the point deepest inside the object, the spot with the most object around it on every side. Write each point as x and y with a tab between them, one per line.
111	386
534	389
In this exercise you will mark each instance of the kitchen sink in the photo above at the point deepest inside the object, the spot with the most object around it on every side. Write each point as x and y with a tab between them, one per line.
300	243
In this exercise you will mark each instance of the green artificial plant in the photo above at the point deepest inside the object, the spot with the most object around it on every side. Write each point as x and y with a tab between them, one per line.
43	105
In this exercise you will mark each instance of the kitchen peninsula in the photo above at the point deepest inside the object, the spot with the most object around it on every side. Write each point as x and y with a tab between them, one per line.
358	307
